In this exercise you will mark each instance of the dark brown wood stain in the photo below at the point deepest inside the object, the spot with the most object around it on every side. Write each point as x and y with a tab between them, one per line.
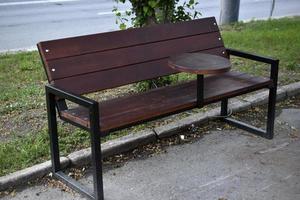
96	62
131	109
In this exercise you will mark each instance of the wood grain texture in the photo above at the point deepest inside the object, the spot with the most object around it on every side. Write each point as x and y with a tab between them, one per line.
91	82
124	57
79	56
67	47
199	63
97	62
132	109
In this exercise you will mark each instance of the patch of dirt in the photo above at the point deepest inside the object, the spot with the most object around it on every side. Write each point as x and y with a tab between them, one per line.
16	124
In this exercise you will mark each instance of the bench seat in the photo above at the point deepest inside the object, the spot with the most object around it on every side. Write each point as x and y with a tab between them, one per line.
128	110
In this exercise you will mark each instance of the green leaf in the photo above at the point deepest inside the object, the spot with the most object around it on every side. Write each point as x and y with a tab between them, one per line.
191	2
150	12
145	9
114	9
122	26
153	3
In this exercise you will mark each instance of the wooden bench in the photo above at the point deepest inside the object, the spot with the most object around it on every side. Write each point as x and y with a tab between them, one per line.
86	64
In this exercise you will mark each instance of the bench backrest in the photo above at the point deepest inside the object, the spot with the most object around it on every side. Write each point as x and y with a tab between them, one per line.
101	61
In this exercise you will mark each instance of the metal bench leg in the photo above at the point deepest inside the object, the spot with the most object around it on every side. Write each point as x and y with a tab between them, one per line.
271	113
269	133
96	154
95	146
272	100
224	107
239	124
52	129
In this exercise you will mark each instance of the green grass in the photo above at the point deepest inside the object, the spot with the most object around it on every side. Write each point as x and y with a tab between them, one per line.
22	81
277	38
34	148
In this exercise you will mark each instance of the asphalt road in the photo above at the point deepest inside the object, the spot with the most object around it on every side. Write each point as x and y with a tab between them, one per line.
23	23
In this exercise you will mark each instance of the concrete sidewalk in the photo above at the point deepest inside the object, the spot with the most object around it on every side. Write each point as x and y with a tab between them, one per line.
225	164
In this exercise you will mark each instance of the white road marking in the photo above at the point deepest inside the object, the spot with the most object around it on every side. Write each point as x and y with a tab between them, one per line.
33	2
110	12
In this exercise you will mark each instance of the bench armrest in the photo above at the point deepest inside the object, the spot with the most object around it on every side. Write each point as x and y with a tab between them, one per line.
93	106
274	62
251	56
80	100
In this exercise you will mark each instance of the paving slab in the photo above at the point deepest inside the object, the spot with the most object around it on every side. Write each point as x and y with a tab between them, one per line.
228	164
291	116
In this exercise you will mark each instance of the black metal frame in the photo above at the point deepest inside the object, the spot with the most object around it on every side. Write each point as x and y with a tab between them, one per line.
269	133
56	98
51	94
200	92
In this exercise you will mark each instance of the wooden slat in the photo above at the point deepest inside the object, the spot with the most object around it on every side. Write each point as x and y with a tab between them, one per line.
97	81
94	62
118	39
128	110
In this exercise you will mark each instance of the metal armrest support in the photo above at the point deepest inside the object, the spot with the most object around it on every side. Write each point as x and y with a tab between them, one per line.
93	107
251	56
80	100
274	62
53	92
269	132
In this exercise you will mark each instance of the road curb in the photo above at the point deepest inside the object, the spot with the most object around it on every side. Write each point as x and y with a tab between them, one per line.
18	50
122	144
131	141
25	175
